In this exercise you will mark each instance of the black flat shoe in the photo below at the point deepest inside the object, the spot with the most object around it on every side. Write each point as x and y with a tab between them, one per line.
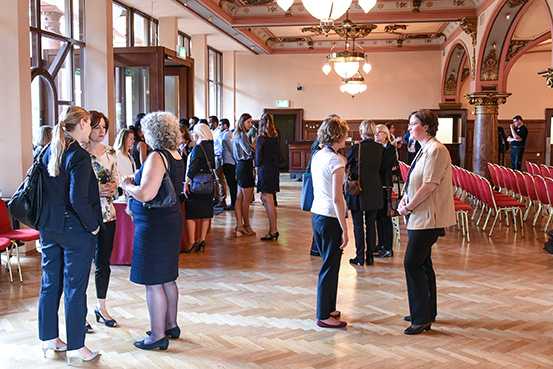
162	344
88	328
355	262
314	253
369	261
173	333
384	254
108	323
271	236
420	329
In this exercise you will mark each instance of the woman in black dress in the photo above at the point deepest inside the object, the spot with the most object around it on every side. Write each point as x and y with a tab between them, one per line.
199	206
157	231
243	152
365	205
266	160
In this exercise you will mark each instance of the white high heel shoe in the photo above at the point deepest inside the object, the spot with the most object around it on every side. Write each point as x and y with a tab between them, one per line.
51	345
72	354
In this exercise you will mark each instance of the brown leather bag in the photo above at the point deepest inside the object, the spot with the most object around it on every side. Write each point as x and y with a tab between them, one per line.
353	186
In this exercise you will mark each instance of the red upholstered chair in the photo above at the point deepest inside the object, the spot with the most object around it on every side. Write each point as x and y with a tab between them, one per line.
543	197
5	244
23	235
533	168
404	168
532	194
544	171
461	211
493	173
512	184
498	202
549	185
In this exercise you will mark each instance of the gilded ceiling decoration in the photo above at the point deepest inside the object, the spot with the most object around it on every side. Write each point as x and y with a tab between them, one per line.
490	67
416	6
548	75
514	47
451	85
469	26
515	3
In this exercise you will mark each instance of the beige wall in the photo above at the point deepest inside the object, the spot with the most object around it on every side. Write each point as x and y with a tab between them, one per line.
399	83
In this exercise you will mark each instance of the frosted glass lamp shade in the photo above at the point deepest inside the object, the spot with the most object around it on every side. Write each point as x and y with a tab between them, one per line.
367	5
326	9
367	68
346	69
327	68
285	4
353	87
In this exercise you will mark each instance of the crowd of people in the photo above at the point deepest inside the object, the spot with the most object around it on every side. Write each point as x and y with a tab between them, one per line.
160	157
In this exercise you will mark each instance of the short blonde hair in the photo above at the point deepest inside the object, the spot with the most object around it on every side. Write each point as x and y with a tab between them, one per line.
161	130
332	130
367	128
384	129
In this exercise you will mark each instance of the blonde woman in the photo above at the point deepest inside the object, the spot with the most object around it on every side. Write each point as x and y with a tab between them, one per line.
124	143
44	137
243	153
69	224
199	206
383	221
104	163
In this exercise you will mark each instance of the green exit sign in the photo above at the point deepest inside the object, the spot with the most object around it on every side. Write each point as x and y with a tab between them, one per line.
283	103
181	51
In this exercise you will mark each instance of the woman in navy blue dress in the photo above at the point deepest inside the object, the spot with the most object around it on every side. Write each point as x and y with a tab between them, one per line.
157	231
267	155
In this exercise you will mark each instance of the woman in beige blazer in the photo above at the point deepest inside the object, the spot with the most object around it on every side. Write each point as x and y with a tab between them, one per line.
428	203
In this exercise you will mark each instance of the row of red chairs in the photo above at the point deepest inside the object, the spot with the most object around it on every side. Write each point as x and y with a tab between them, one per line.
543	170
480	191
461	208
535	190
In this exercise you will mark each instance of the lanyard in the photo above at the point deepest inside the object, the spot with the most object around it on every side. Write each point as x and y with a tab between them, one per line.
330	148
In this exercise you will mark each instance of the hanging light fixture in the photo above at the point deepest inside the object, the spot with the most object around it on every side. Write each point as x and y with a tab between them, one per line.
327	10
367	5
285	4
327	68
354	85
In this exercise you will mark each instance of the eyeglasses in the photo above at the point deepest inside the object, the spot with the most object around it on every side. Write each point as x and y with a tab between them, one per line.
378	132
413	124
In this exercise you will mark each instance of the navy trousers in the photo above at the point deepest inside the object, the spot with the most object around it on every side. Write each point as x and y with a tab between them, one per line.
384	226
420	276
66	262
364	244
328	237
102	258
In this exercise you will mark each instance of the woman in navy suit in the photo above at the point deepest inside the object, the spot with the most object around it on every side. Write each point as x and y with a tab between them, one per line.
69	223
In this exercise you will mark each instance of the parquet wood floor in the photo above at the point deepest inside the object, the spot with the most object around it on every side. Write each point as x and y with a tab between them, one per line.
246	303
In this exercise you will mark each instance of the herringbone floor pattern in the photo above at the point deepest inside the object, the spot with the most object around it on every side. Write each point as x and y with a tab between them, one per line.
251	304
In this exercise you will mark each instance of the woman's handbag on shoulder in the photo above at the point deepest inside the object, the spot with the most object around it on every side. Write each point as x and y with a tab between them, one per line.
202	183
166	196
353	187
393	201
306	192
26	203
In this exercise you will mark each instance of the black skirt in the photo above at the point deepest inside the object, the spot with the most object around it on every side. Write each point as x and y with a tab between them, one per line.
244	173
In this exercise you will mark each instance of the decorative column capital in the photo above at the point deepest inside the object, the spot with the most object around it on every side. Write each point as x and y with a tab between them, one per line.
469	25
548	75
487	102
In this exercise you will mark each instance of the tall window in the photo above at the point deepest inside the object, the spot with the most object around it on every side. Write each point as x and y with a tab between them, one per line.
185	41
215	81
57	57
132	28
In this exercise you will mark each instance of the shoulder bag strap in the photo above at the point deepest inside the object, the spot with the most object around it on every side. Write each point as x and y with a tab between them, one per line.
359	166
165	161
206	159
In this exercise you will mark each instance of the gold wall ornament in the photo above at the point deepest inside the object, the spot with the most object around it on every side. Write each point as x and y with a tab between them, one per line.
416	6
514	47
490	67
487	102
515	3
451	85
548	75
469	26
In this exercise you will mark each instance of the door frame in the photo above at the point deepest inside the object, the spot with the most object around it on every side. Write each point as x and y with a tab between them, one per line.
298	112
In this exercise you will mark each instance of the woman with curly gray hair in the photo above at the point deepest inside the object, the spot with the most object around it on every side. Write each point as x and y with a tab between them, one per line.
155	260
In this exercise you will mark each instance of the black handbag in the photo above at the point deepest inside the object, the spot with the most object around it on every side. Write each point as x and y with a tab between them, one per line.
166	196
393	202
26	203
306	192
353	186
202	183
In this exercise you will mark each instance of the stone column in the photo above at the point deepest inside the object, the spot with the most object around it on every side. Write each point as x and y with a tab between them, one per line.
485	143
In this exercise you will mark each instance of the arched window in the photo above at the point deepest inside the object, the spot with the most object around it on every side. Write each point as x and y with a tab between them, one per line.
57	57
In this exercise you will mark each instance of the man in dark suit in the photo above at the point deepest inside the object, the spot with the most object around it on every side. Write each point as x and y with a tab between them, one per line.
517	138
503	145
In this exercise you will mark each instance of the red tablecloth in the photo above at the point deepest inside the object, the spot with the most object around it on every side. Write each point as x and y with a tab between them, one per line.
124	234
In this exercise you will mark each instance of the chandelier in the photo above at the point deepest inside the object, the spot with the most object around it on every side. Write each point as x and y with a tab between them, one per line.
353	85
327	11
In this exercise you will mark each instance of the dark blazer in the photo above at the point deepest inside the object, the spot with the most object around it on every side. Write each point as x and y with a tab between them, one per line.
74	189
389	161
197	163
371	185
